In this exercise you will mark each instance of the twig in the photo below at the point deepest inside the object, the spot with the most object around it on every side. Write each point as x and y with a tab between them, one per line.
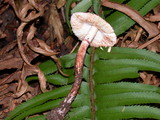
149	42
138	35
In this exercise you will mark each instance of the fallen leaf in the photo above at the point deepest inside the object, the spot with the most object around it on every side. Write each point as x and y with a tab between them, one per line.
55	22
61	3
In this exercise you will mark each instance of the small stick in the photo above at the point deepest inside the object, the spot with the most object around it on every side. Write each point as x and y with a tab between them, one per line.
149	42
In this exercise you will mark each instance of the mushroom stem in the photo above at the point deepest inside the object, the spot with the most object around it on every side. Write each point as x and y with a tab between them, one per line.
65	105
60	113
78	75
91	34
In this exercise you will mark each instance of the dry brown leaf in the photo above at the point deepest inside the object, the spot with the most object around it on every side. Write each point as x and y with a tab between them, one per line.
149	42
8	102
156	16
11	63
42	49
2	35
9	47
146	77
23	85
8	88
28	70
35	10
55	22
10	78
131	39
61	3
154	47
149	79
69	42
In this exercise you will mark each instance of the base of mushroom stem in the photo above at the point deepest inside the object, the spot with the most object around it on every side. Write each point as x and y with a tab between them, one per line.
58	113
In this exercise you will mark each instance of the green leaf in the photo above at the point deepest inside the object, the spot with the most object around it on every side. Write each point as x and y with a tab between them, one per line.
85	73
31	78
127	53
126	112
149	6
67	61
48	67
81	100
57	79
87	60
115	75
96	6
82	6
79	113
122	87
38	109
40	117
140	64
129	98
68	4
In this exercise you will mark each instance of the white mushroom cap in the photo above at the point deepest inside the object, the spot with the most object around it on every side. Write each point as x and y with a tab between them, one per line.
83	22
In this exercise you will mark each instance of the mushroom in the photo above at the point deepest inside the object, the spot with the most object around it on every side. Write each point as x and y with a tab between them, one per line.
91	30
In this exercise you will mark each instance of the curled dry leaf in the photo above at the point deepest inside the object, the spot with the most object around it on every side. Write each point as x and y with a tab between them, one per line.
43	48
27	14
23	86
32	68
35	10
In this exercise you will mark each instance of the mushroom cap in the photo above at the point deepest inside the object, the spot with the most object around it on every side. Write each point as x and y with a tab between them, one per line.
81	24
